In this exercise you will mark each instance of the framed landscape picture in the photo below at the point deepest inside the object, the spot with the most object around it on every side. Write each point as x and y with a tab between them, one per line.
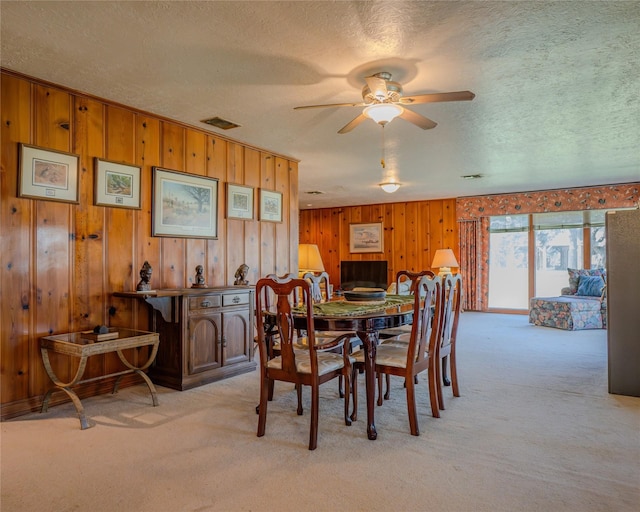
239	202
366	237
116	184
48	174
184	205
270	206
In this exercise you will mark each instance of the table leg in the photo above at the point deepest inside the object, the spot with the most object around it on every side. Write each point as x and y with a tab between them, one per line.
152	388
66	387
370	342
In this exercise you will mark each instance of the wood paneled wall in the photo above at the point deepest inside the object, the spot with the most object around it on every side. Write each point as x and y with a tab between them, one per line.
413	231
61	262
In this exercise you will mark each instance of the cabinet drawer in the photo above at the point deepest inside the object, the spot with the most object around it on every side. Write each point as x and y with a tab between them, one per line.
235	299
204	302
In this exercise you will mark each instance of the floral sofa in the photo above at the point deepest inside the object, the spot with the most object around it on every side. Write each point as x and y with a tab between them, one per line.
581	305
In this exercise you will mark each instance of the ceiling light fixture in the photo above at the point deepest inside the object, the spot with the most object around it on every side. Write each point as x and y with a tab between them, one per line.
382	113
390	187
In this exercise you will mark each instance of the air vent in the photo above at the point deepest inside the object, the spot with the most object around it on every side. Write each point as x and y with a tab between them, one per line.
223	124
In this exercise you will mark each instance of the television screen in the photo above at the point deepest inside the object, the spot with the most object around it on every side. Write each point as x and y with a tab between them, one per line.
363	274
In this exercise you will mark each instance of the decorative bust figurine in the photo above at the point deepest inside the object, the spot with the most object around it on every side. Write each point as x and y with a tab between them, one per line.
199	278
145	277
241	275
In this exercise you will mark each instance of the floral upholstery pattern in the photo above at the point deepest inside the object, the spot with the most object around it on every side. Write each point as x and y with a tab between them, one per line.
567	312
571	311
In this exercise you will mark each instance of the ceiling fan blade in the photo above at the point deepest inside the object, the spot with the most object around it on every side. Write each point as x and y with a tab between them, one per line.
360	104
377	87
352	124
418	120
438	97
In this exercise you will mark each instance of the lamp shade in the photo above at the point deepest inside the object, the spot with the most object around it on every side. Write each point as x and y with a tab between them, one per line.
444	259
309	259
382	113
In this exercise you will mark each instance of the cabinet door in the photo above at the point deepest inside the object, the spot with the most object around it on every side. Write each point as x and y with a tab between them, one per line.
237	343
204	342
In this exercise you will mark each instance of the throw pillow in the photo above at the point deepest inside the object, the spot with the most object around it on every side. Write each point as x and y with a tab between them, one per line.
575	274
590	286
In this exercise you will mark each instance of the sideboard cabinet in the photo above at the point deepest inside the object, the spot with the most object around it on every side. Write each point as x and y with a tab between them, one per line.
206	334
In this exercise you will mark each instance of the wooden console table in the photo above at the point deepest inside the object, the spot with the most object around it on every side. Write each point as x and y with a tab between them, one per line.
206	334
85	344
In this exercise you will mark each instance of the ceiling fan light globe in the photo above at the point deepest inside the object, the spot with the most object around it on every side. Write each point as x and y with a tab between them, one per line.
389	188
382	113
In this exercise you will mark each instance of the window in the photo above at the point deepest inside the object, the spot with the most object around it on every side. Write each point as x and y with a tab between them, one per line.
558	241
509	262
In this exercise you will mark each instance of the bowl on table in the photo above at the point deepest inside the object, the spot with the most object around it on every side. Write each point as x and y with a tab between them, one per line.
365	295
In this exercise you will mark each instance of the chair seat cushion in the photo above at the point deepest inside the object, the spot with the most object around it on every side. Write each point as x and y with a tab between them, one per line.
395	331
327	362
387	355
401	340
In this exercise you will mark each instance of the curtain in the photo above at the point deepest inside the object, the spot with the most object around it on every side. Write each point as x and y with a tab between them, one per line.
470	267
474	263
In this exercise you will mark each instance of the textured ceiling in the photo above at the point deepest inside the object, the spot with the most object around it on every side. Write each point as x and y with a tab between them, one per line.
556	83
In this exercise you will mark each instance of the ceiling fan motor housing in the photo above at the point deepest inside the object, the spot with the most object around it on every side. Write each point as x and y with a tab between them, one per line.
392	94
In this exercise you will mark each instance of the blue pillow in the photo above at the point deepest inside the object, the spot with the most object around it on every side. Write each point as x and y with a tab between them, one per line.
590	286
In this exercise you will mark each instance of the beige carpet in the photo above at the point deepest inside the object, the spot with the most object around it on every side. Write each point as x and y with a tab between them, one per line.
534	430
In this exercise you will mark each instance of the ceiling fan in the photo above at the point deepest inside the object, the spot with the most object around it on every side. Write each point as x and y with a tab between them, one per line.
383	102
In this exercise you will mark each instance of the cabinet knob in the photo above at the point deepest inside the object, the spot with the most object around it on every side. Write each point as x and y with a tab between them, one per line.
224	341
205	304
235	300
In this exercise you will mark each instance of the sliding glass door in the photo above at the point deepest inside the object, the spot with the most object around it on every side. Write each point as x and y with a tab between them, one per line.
509	262
529	254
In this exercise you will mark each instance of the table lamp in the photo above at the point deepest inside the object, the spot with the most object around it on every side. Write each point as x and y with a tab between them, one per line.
309	259
444	259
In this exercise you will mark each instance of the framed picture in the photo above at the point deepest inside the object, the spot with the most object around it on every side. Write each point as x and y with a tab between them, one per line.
239	202
270	206
116	184
184	205
48	174
366	237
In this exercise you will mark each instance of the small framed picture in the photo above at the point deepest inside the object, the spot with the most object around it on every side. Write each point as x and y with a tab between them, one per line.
270	206
366	237
184	205
116	184
48	174
239	202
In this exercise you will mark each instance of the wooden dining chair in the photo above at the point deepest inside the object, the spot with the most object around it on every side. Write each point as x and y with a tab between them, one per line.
311	366
400	334
402	278
452	288
319	283
271	332
419	355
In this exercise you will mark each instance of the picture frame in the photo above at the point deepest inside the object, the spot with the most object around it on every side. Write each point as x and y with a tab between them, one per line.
184	205
48	174
239	202
365	238
270	206
116	184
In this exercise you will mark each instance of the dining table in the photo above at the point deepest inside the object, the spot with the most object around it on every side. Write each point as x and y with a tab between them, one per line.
366	319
